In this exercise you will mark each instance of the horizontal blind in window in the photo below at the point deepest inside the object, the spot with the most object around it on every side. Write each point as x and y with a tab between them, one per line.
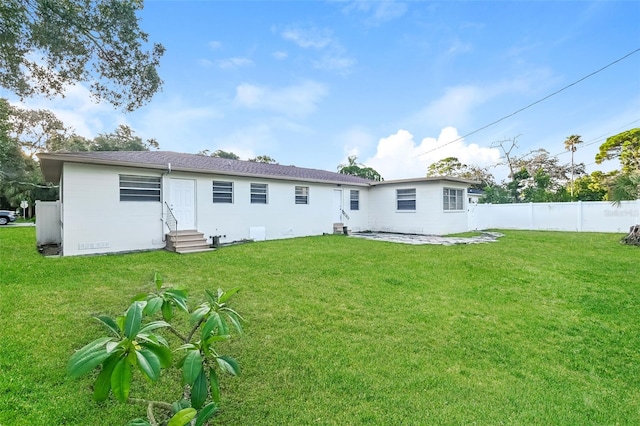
302	195
354	199
258	193
140	188
406	199
222	192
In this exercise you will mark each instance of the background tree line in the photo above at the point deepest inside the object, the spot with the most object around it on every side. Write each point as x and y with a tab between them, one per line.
538	176
25	132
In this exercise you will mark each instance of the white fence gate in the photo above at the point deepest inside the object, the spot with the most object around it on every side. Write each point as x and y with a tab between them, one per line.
580	216
48	224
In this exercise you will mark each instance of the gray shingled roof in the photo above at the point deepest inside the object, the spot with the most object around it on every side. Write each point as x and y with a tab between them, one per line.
51	164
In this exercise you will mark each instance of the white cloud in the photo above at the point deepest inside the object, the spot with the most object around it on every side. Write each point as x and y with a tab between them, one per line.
387	10
458	47
280	55
333	54
378	12
299	100
356	140
232	63
245	142
309	38
215	45
398	156
177	125
334	62
456	105
205	63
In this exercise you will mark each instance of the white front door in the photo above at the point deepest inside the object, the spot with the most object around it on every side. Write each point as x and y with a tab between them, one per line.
183	202
337	206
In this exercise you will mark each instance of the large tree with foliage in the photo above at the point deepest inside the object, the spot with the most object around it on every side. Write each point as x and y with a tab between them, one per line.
496	194
451	166
36	130
625	147
12	161
47	45
541	191
122	139
540	159
593	187
358	169
25	132
20	175
263	159
220	154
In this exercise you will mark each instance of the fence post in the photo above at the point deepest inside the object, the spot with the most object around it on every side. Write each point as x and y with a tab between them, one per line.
531	218
579	216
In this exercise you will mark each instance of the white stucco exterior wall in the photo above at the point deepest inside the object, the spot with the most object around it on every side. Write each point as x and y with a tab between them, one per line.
281	217
429	217
357	220
95	221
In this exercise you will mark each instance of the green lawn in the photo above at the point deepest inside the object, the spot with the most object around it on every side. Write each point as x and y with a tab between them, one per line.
538	328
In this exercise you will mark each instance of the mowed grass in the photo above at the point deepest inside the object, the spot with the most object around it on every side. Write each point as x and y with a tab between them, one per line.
537	328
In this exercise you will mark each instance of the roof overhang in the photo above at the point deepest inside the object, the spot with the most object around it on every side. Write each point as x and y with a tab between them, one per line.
427	179
51	166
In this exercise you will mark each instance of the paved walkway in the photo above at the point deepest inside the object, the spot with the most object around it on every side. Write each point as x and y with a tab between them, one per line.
485	237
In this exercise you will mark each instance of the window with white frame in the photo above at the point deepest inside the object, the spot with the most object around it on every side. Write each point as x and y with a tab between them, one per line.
302	195
452	199
406	199
222	192
140	188
259	192
354	199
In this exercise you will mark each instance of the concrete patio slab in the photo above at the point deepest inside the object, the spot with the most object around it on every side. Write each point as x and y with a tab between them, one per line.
415	239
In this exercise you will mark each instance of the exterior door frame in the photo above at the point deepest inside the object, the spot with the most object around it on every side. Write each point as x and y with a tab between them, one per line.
182	204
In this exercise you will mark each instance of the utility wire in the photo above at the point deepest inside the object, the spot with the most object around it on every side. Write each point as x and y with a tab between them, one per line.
533	103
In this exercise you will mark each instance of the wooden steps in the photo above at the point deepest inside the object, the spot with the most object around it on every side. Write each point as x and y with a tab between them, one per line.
188	241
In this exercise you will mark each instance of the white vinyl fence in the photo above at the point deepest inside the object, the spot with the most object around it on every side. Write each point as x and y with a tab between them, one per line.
580	216
48	222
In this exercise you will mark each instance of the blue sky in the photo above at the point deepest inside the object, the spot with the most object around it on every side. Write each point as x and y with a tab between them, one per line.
311	82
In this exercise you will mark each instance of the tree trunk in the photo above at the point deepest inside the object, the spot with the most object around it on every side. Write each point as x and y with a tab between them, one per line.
634	236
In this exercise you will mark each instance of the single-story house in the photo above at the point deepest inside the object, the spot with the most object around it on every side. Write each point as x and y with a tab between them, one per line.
474	195
123	201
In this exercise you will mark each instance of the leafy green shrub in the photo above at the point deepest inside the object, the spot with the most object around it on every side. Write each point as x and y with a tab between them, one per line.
134	344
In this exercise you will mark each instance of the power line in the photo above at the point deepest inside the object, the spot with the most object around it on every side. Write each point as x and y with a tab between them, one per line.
533	103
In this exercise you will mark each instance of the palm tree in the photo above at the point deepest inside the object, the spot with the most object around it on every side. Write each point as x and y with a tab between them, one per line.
570	145
626	186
